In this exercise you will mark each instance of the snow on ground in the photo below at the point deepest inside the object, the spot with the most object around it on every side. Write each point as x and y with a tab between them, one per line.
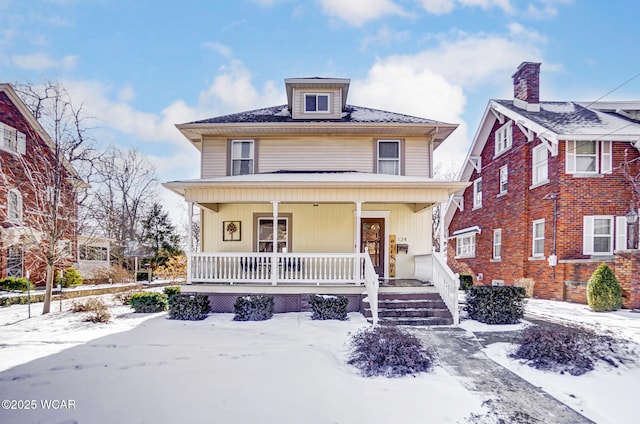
147	368
606	394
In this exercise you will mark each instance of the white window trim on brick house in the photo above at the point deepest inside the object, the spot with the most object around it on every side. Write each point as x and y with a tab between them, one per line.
12	140
617	234
503	179
503	138
539	166
466	246
497	244
535	252
602	157
14	206
477	193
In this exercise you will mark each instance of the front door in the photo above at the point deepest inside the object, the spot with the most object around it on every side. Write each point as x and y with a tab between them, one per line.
373	239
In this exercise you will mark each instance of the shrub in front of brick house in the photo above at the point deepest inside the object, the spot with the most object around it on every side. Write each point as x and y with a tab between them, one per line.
14	283
96	309
328	307
148	302
495	304
171	292
466	281
569	349
71	278
190	308
253	308
603	290
389	351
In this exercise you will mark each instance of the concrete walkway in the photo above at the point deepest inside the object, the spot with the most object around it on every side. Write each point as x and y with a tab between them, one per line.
509	398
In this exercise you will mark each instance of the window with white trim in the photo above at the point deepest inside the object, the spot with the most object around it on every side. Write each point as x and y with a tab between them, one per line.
316	102
14	206
504	177
539	164
588	157
477	193
497	243
12	140
466	246
93	253
598	235
14	255
265	234
389	157
242	157
504	137
538	238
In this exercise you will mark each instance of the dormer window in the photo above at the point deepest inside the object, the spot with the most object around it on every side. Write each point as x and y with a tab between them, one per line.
316	103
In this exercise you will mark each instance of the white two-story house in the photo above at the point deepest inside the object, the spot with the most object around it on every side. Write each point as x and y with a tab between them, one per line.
348	189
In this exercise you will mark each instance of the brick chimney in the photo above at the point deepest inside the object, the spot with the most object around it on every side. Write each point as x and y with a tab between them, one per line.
526	86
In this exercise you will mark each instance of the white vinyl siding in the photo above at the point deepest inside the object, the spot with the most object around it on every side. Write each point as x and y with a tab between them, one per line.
214	158
466	246
588	157
503	138
537	249
416	158
497	244
477	193
600	237
540	165
504	179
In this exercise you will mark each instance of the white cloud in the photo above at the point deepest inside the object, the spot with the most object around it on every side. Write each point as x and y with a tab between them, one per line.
438	7
358	12
385	36
221	49
127	93
41	62
486	4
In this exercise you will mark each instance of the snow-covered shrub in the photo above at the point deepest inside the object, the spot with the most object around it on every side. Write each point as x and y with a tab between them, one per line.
603	290
329	307
95	307
171	292
14	283
253	308
71	277
186	307
495	304
571	349
389	351
149	302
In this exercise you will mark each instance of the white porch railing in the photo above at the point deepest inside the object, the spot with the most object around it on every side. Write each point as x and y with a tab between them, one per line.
300	268
372	284
447	284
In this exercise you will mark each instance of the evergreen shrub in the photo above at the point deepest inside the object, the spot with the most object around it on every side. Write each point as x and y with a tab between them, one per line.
148	302
171	292
14	283
187	307
466	281
603	290
329	307
253	308
389	351
495	304
71	278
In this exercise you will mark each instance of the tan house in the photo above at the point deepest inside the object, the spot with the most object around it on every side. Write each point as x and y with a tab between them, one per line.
349	189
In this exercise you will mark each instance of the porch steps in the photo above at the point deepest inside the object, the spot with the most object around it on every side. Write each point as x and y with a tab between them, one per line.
410	309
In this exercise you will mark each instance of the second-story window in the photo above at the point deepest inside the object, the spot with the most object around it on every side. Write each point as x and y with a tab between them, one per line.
503	138
540	165
504	177
14	206
588	157
477	193
242	157
316	102
389	157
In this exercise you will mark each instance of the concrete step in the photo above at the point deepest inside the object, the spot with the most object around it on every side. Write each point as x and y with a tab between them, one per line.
424	321
409	313
407	296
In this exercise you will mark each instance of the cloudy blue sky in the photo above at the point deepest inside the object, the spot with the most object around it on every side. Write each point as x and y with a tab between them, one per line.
142	66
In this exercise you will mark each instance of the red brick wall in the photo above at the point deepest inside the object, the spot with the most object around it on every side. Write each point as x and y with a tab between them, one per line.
516	211
31	174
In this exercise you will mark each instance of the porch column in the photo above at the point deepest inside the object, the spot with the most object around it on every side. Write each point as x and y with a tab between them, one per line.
274	258
190	242
358	243
442	239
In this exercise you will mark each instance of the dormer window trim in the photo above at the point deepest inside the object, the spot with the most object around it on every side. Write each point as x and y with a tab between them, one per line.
313	103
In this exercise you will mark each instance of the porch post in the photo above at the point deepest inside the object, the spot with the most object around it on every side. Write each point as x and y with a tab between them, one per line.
190	237
442	241
274	258
358	243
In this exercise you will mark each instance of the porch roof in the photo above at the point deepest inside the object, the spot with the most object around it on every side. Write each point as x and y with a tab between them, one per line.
316	186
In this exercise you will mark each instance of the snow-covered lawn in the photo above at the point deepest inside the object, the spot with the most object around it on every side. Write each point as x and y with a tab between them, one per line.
290	369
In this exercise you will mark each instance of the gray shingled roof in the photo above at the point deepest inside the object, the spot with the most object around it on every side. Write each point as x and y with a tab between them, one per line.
573	118
281	114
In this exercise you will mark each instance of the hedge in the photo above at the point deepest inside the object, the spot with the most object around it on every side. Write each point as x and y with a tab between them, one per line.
495	304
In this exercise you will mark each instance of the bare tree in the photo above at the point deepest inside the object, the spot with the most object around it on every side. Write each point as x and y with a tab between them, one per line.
125	185
50	179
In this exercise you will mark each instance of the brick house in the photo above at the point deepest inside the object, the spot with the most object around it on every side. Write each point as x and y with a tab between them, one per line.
27	194
548	199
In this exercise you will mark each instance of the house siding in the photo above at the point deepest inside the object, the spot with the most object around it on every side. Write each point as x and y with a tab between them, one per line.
417	157
214	158
607	194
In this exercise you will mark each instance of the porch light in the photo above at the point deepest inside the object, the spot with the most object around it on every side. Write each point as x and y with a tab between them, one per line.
632	216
